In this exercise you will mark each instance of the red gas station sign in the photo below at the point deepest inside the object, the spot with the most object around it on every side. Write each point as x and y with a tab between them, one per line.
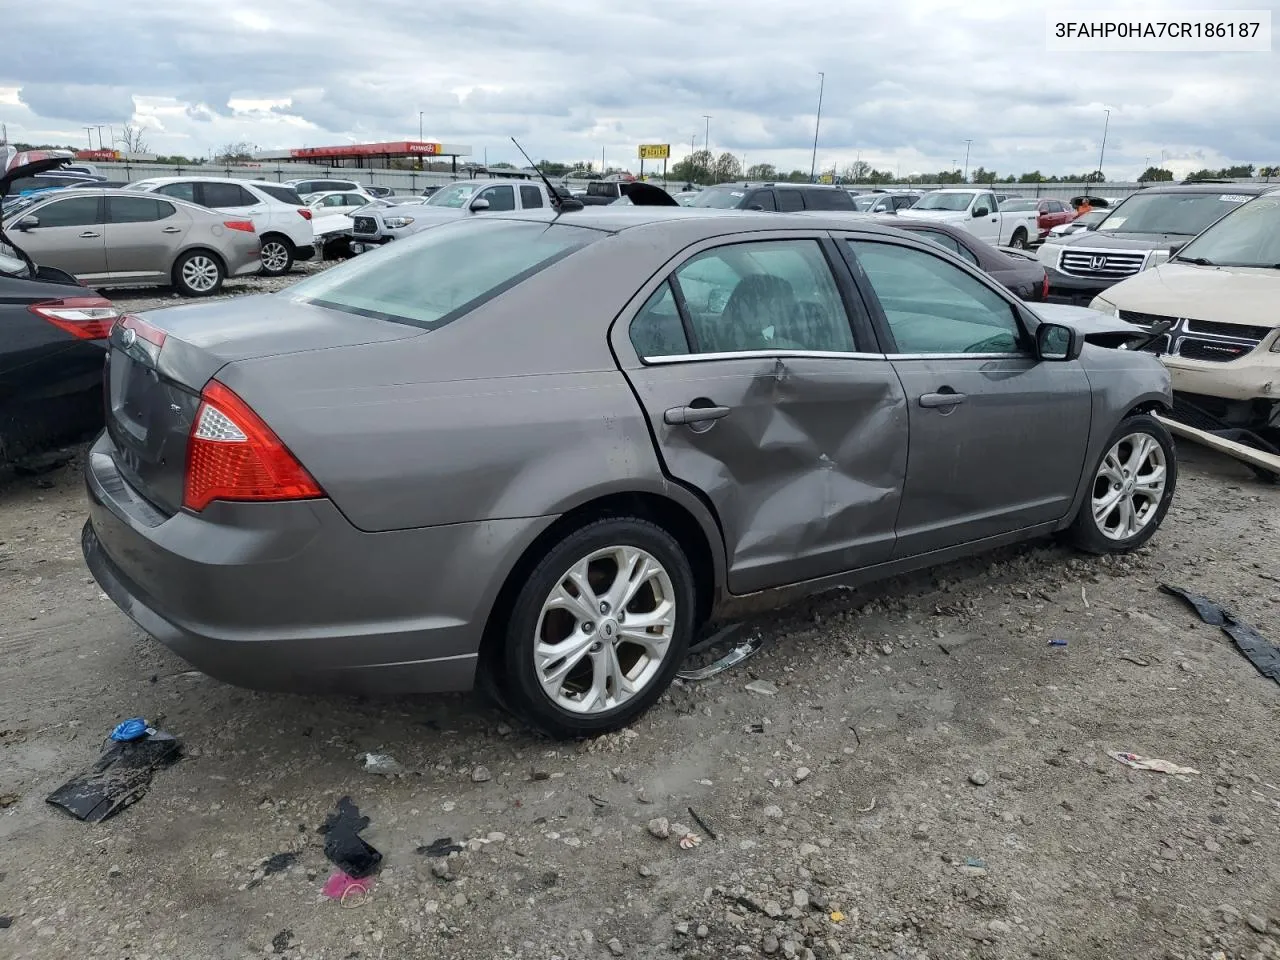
396	148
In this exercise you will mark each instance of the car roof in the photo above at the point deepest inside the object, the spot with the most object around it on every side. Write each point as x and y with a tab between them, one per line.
117	192
699	221
211	179
752	184
1210	187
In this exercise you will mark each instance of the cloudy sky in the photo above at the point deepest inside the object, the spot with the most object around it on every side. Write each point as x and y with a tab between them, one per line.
907	82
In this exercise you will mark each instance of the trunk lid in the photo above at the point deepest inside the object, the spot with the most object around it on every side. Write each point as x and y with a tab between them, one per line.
153	389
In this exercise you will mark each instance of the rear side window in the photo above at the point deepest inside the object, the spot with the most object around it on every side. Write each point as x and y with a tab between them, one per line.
335	185
790	201
530	197
441	274
283	194
222	195
137	209
829	200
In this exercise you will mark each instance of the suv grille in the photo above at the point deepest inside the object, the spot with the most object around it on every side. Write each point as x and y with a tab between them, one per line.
365	225
1100	264
1204	340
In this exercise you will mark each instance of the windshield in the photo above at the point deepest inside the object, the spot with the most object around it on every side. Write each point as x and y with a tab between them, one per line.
1184	214
1018	206
436	276
719	199
944	201
454	195
1248	237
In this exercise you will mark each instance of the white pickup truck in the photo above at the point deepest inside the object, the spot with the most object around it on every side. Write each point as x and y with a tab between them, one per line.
978	212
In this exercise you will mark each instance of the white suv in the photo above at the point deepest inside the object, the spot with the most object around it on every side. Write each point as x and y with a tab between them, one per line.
282	220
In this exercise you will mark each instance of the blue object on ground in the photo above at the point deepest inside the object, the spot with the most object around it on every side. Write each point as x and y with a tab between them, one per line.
135	728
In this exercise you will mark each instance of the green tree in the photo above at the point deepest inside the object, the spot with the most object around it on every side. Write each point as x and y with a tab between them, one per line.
1269	172
1035	176
762	171
982	175
1205	174
238	152
1155	175
727	168
1241	170
694	168
857	172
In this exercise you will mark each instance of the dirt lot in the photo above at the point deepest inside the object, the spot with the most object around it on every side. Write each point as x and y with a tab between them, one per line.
930	778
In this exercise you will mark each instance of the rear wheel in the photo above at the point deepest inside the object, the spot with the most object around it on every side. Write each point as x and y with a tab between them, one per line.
1132	488
1019	240
198	274
598	629
277	255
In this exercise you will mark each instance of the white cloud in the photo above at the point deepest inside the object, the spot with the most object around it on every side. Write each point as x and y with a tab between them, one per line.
906	83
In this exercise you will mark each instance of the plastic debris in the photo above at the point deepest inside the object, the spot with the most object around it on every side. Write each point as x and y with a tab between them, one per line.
135	728
440	848
837	916
1262	653
763	687
689	841
119	778
341	885
1149	763
702	823
742	651
382	764
1057	643
344	846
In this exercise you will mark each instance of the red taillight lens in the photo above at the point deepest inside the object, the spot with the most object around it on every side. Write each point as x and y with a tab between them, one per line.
144	331
87	318
233	455
245	225
1044	288
304	213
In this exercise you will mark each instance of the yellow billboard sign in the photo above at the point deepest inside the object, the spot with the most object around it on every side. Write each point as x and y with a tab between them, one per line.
655	151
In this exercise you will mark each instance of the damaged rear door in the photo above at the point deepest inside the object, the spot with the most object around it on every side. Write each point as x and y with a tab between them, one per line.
765	392
998	437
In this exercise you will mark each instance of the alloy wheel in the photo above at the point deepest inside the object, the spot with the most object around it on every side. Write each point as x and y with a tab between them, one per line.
1129	486
275	258
200	273
604	630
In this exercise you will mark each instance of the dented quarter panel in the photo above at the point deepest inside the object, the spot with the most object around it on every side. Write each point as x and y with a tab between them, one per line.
1007	458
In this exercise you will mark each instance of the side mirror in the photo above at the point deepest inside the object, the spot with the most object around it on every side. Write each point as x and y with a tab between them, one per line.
755	206
1054	341
478	205
28	223
1175	247
981	212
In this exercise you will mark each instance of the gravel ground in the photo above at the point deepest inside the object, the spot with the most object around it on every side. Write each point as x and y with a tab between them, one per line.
924	776
154	298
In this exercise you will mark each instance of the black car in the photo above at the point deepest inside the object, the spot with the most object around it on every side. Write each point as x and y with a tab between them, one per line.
1017	270
778	197
54	342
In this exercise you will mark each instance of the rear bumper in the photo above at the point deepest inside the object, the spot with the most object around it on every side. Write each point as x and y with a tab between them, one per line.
291	597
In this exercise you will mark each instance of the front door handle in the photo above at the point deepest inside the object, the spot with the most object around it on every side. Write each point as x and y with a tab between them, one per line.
943	399
685	415
171	230
89	235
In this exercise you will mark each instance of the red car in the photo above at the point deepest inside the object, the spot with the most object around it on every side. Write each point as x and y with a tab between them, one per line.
1049	213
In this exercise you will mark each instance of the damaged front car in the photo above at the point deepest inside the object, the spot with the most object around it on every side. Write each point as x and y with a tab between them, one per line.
1214	308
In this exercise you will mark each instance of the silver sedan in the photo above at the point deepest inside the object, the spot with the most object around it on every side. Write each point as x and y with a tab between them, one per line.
120	238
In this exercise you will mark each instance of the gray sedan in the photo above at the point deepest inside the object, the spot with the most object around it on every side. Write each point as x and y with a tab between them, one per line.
432	464
120	238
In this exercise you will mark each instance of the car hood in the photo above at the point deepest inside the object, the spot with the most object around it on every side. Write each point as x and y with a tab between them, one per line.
1117	240
334	223
1087	322
1245	295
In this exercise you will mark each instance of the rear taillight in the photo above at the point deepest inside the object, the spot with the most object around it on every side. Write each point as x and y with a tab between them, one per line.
1044	287
87	318
142	330
304	213
233	455
245	225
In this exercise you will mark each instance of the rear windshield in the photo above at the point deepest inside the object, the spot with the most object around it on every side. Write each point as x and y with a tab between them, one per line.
441	274
1185	214
602	190
284	194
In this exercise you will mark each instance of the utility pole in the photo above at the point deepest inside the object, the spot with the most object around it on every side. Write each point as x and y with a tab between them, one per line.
966	160
603	168
813	162
706	145
419	126
100	126
1103	152
88	131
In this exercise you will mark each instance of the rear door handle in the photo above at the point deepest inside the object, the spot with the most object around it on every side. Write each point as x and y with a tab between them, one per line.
171	230
678	415
941	399
89	235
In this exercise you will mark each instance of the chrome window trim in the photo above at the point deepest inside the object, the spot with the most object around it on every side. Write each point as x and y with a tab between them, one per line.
762	355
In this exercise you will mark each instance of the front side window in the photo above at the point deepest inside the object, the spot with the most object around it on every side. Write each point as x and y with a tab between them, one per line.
71	212
500	198
934	307
762	199
767	295
439	275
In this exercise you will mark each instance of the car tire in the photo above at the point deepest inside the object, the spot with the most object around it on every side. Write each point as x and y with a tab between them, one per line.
277	253
569	697
198	273
1019	239
1122	509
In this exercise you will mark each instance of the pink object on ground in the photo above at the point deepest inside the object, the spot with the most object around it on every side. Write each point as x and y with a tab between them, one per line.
340	886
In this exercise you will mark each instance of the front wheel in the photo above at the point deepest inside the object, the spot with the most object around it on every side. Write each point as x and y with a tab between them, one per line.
598	629
198	274
1019	241
1132	488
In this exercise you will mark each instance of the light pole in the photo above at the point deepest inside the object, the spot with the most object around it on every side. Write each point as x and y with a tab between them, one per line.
813	163
419	126
89	132
966	160
706	146
1103	152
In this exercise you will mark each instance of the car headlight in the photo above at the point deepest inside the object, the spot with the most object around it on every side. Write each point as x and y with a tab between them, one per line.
395	223
1103	306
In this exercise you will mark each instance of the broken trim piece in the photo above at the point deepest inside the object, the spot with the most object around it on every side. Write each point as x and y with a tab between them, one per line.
743	651
1262	653
1256	458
